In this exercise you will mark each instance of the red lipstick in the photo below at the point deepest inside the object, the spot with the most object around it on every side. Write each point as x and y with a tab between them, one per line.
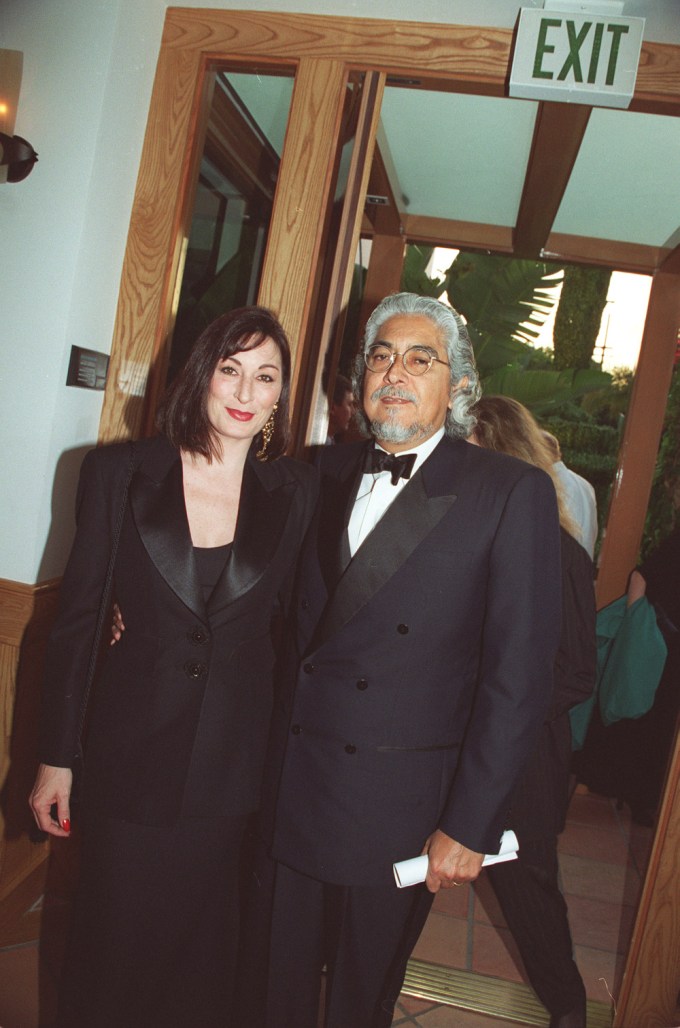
239	415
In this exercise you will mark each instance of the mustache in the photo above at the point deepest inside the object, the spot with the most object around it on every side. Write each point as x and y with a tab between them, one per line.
395	392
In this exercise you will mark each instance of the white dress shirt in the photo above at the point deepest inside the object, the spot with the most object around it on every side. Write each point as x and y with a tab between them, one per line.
376	493
579	497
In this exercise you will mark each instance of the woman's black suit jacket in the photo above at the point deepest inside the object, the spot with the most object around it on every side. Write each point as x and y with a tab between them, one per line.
179	715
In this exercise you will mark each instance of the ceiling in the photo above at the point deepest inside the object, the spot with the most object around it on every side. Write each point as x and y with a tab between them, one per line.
465	158
662	17
516	176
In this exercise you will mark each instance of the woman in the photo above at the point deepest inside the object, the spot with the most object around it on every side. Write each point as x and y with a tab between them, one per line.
528	889
180	715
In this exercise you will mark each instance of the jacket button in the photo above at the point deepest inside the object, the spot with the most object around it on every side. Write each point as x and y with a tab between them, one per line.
295	729
305	604
194	669
198	635
308	669
362	684
349	748
402	629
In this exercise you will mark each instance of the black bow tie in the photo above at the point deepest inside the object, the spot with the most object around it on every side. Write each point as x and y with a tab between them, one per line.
399	464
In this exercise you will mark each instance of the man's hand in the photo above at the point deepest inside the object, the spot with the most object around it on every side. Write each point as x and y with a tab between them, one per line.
450	863
52	788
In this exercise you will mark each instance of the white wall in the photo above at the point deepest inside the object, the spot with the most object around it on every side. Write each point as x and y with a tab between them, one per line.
63	230
88	72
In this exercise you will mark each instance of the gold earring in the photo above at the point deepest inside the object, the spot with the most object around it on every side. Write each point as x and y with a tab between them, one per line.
267	433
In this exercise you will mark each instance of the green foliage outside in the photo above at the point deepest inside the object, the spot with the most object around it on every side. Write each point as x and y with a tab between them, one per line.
577	322
414	278
505	302
598	440
664	503
499	296
609	406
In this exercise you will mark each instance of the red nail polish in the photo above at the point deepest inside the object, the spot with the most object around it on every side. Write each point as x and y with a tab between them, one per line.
66	824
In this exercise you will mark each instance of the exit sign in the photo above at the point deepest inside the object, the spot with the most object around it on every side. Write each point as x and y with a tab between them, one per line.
576	57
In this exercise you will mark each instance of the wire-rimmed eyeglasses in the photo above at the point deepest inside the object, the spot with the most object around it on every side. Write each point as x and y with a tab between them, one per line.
416	359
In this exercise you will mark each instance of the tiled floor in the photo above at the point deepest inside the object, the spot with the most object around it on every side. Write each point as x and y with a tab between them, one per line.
603	857
602	860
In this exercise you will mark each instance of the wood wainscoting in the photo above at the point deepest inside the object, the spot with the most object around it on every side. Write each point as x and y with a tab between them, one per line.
26	615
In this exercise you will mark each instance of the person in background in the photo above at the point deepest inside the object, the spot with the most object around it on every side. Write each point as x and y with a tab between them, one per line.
579	497
629	759
422	682
528	888
180	714
340	409
653	734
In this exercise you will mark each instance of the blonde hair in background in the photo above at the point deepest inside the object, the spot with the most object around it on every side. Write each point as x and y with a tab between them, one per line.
505	425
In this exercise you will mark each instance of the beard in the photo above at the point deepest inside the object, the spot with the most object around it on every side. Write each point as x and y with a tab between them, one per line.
387	431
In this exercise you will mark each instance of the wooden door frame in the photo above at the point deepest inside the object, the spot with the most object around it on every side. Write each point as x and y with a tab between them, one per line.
323	50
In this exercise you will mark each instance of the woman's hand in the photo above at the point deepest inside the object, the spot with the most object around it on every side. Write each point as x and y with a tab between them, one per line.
117	626
637	587
52	786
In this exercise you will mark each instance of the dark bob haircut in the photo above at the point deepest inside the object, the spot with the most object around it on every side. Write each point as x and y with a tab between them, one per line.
183	416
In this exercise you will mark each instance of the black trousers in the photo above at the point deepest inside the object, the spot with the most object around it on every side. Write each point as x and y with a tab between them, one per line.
362	934
536	914
154	935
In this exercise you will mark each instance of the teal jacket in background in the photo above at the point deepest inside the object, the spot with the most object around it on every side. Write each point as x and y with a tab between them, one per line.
631	654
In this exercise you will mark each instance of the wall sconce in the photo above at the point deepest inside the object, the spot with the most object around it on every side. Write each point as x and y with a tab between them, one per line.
17	156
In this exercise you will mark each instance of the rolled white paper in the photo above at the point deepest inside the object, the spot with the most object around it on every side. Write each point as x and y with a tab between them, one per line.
414	871
508	850
410	872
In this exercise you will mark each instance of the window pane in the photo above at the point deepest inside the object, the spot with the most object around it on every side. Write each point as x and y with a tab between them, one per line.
234	198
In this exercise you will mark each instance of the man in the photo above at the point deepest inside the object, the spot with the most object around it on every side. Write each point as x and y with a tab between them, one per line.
579	497
340	409
428	618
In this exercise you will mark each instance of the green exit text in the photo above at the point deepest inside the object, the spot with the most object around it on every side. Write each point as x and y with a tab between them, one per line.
586	49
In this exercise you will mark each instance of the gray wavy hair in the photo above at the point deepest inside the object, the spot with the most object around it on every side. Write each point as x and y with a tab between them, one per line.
459	422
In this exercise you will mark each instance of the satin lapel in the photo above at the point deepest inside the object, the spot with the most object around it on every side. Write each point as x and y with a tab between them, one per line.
405	524
262	515
160	515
